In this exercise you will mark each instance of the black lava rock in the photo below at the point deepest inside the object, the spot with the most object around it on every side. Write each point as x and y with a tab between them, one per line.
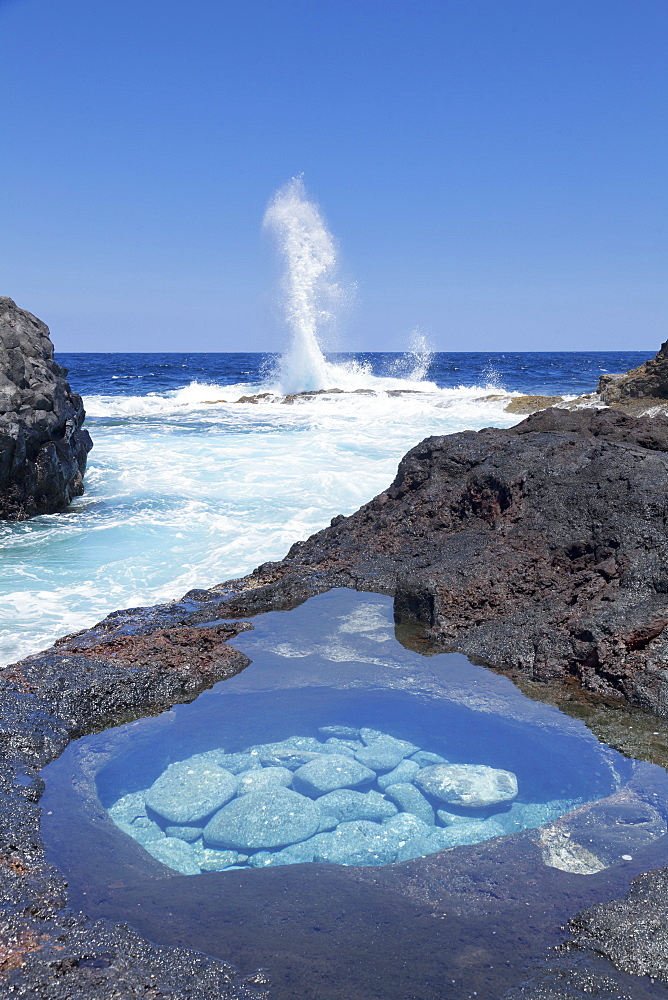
43	448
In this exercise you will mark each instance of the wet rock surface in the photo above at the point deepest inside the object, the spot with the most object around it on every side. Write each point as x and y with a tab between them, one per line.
43	446
631	932
530	404
474	786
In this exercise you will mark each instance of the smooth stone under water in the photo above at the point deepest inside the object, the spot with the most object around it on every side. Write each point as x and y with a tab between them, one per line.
184	794
472	785
327	774
261	820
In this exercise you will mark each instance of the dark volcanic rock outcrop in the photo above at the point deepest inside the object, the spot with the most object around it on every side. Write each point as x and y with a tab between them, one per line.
648	382
43	447
541	548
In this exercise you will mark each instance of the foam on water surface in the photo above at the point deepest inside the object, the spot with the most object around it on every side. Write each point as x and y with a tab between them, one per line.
184	492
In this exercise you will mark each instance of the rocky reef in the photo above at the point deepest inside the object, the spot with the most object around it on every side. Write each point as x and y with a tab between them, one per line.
43	447
46	949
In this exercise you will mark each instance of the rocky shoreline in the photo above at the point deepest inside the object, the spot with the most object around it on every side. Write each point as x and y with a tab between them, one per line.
539	549
43	446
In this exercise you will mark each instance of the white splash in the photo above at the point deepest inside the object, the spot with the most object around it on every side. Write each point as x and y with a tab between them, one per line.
414	363
311	289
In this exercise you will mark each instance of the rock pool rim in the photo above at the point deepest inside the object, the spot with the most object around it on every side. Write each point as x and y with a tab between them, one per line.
466	857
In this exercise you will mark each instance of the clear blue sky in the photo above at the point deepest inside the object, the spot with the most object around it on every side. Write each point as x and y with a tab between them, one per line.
494	170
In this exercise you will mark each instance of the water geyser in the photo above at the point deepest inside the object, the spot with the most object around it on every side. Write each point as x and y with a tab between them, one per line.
309	283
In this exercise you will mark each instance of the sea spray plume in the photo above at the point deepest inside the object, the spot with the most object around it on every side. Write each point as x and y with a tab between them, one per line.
420	353
414	363
311	289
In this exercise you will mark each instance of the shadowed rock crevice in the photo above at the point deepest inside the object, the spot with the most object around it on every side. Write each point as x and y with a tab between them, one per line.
43	447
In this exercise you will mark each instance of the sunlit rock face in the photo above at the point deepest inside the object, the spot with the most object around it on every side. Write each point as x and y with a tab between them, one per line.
647	382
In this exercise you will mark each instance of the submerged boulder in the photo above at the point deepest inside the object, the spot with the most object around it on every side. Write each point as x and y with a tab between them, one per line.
411	800
129	814
176	854
264	820
474	786
358	843
404	772
326	774
43	447
346	804
381	755
184	794
263	779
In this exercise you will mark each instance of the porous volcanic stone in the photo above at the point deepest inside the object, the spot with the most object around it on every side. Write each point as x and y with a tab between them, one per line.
414	835
358	843
472	785
371	737
380	756
235	763
263	820
407	825
43	447
403	773
185	794
176	854
188	833
129	814
295	854
539	548
649	381
424	758
343	732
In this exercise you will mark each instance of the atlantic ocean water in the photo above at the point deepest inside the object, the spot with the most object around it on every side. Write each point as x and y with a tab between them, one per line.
188	487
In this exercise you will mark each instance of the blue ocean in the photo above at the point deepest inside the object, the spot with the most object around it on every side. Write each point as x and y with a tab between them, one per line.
186	486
